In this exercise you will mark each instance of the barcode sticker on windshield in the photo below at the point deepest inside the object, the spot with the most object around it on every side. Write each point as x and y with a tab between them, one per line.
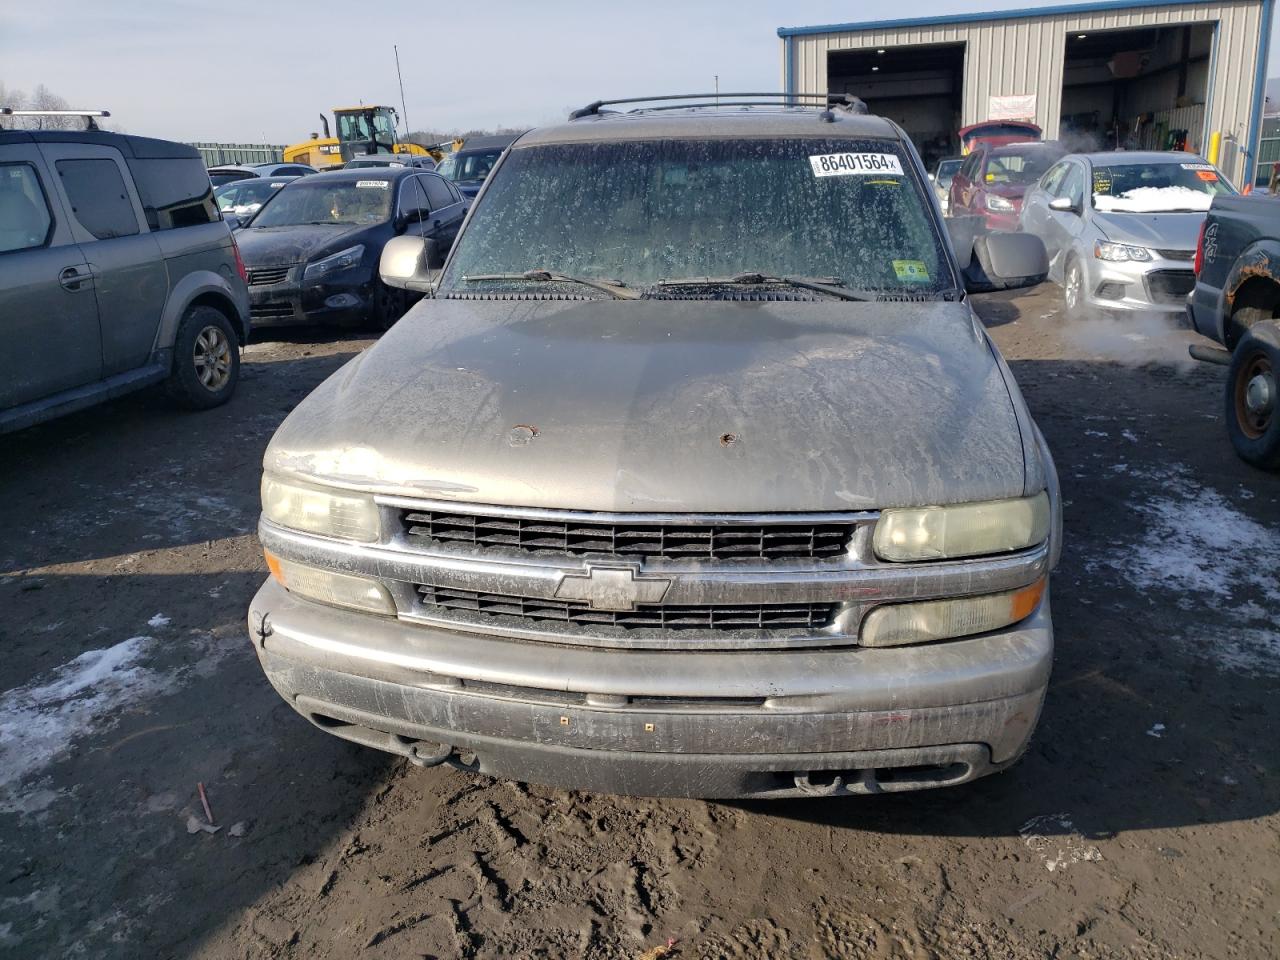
854	164
382	184
1196	166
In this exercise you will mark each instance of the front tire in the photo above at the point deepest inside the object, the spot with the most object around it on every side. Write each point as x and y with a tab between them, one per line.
1073	290
1253	396
206	360
389	305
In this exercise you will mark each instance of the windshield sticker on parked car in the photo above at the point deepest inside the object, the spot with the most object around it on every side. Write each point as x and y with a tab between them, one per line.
1196	166
911	271
380	184
1208	176
854	164
1101	183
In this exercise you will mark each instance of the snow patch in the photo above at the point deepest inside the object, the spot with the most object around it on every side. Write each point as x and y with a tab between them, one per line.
1153	200
1157	730
41	720
159	620
1198	547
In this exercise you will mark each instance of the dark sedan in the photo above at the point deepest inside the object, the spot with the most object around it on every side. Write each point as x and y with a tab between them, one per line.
312	253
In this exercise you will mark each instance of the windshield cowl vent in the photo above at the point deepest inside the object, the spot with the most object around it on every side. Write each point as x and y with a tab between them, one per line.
773	296
514	295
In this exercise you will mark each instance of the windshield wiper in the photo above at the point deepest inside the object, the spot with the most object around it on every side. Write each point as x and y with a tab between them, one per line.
615	288
832	286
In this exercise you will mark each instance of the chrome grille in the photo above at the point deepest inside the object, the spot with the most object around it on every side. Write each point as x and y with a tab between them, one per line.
576	537
755	616
267	275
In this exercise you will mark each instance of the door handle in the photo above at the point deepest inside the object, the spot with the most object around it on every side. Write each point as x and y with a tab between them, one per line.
71	278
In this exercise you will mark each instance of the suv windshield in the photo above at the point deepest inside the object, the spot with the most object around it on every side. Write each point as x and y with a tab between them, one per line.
1157	187
643	211
308	201
471	166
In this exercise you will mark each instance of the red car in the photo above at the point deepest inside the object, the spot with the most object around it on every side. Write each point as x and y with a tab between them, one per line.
991	181
996	133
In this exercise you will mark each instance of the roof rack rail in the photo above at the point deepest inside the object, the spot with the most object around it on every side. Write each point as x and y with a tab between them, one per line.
843	101
90	116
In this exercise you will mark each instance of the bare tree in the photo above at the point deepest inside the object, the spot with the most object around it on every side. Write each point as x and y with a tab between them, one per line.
42	99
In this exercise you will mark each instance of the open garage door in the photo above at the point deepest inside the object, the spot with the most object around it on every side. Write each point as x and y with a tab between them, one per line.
1136	89
918	87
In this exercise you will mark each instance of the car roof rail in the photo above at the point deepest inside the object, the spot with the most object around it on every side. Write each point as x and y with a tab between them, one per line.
90	116
682	101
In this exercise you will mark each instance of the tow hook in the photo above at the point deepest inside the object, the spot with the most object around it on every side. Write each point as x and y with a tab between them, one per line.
421	754
804	785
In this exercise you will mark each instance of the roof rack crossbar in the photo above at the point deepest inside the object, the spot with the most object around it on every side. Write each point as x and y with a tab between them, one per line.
722	99
90	116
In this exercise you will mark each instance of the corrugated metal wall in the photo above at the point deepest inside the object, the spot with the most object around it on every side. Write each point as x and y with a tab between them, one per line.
1026	55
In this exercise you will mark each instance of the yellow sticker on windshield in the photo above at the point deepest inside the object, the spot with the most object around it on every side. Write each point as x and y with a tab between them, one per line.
911	271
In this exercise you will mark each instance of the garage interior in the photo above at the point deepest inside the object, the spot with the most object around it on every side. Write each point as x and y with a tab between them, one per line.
1136	89
918	87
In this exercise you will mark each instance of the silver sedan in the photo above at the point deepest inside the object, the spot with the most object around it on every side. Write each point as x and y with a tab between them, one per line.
1121	228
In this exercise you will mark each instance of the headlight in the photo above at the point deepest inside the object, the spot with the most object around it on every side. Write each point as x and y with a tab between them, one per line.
963	530
1120	252
342	260
339	589
898	624
332	513
999	204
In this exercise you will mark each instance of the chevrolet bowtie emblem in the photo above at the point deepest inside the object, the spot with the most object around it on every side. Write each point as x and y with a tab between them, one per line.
612	588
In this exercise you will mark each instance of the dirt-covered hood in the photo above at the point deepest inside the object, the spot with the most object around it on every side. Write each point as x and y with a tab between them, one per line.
659	405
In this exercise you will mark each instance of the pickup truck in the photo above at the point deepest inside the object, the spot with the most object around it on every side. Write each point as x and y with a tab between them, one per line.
693	473
1236	301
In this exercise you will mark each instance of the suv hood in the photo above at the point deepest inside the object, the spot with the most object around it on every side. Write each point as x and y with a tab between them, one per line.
278	246
666	405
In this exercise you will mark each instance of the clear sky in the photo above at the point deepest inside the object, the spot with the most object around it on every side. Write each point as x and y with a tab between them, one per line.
188	70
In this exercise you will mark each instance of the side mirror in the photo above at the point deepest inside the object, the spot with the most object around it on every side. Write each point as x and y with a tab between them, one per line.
1063	205
1005	261
411	263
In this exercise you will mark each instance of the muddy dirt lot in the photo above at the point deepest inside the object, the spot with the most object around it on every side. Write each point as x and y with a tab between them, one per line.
1143	822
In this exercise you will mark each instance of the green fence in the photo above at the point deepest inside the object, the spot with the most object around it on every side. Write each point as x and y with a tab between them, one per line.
217	154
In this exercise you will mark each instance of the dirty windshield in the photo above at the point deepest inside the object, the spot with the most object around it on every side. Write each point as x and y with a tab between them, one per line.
1162	187
846	212
308	201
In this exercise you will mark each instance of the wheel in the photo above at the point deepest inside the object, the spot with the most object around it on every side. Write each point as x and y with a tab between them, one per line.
389	305
1073	290
206	360
1252	397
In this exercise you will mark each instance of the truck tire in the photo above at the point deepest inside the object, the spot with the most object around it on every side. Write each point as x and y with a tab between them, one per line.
206	360
1253	396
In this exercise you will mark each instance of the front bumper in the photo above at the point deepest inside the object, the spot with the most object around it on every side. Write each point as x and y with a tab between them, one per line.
767	723
1155	286
347	298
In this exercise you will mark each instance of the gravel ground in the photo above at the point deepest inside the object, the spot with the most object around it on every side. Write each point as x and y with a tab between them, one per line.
1142	823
